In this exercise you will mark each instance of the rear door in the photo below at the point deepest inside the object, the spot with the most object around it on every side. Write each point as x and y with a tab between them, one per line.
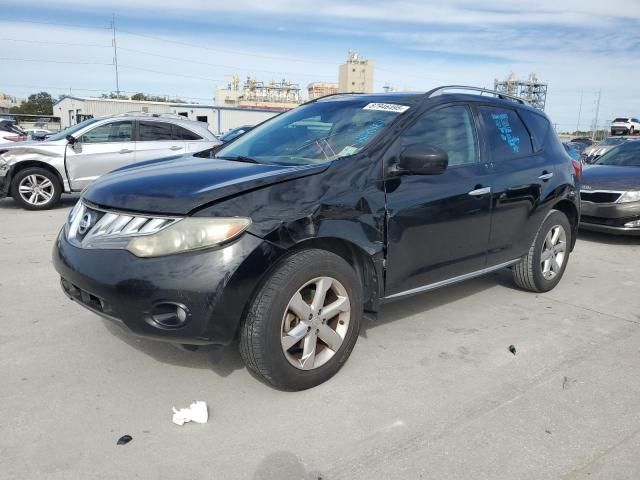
438	225
98	151
157	139
522	179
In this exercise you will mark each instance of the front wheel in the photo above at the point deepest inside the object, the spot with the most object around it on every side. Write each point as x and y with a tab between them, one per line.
543	266
304	322
36	188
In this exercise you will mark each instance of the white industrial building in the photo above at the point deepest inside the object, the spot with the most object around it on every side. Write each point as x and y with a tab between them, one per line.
72	110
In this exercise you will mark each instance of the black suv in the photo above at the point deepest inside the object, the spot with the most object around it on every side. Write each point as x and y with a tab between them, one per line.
287	235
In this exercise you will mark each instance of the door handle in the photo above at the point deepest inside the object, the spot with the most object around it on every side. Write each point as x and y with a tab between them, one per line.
175	147
480	191
545	176
125	150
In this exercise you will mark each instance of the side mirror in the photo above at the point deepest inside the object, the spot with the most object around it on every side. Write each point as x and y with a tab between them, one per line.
423	160
71	139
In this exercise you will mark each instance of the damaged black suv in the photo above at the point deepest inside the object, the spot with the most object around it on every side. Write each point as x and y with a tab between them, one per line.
285	236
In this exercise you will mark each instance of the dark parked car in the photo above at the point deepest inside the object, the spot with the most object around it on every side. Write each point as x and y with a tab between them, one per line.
290	233
610	192
585	140
235	133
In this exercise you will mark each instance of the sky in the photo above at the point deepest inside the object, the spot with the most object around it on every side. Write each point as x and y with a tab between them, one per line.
186	48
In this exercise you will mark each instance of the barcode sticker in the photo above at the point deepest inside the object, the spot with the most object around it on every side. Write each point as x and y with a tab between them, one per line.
386	107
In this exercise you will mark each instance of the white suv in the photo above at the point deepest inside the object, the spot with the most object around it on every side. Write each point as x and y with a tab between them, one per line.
625	126
36	173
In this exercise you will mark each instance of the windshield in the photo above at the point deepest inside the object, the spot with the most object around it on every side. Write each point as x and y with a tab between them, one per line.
73	129
613	141
315	133
626	155
623	120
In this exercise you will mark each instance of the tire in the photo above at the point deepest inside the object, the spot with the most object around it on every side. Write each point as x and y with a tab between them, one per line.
270	330
529	273
36	188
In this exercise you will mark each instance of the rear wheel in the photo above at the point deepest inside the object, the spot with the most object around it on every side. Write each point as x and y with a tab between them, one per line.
543	266
36	188
304	322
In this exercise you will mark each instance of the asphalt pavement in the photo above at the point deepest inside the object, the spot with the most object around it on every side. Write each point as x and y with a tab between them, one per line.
431	390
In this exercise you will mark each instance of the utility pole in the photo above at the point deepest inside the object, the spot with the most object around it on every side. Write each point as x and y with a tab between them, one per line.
115	53
579	112
595	121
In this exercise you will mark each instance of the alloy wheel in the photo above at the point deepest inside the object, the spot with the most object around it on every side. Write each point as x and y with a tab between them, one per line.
36	189
315	323
553	252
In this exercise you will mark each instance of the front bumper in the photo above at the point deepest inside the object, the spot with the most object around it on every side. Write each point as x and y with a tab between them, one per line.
610	217
214	285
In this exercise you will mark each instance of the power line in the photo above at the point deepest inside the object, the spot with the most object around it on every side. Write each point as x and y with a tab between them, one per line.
39	60
199	62
54	43
130	67
233	52
77	25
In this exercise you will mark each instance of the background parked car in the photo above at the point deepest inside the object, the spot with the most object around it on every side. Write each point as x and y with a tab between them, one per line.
38	133
571	150
36	173
235	133
10	132
592	153
625	126
584	140
610	191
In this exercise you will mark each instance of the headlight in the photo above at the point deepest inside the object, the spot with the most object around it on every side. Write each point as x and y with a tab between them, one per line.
188	234
632	196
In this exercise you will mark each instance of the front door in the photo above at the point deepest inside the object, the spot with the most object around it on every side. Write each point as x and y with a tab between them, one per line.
438	225
98	151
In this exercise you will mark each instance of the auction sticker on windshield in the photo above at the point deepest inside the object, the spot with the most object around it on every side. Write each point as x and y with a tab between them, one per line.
386	107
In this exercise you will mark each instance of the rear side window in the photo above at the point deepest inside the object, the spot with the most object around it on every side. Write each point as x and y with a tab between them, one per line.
154	131
505	133
448	128
538	125
180	133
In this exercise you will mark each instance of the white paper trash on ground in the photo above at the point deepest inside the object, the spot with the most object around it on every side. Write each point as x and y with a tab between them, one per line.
197	412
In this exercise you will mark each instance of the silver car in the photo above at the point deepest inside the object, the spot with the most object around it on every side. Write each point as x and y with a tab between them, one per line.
36	173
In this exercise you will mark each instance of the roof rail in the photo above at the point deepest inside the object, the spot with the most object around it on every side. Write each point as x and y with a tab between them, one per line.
153	115
504	96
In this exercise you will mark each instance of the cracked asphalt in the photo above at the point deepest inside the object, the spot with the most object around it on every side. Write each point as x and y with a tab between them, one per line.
430	391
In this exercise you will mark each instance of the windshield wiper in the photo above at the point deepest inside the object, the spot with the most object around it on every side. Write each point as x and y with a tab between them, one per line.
240	158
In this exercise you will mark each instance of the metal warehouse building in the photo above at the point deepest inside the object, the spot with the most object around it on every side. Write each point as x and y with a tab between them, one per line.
72	110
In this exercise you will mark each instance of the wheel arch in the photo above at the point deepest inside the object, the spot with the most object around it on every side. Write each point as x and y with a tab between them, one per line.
369	271
571	211
18	167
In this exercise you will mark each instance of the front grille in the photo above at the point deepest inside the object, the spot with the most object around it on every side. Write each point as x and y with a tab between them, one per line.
87	299
599	196
91	227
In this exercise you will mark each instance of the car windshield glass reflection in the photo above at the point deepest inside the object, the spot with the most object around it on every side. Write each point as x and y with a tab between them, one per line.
73	129
626	155
315	133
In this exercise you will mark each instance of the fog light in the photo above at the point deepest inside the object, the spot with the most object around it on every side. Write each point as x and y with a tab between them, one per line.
170	315
635	223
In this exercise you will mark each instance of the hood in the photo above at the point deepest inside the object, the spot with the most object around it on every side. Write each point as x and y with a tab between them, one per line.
605	177
178	186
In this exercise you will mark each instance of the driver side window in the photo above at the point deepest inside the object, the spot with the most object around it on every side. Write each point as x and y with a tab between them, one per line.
450	129
110	132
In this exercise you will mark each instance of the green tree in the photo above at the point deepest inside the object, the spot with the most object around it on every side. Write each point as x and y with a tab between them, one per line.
37	104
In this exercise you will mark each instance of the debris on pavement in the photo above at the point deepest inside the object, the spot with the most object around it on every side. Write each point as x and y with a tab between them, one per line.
197	412
123	440
512	349
567	382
